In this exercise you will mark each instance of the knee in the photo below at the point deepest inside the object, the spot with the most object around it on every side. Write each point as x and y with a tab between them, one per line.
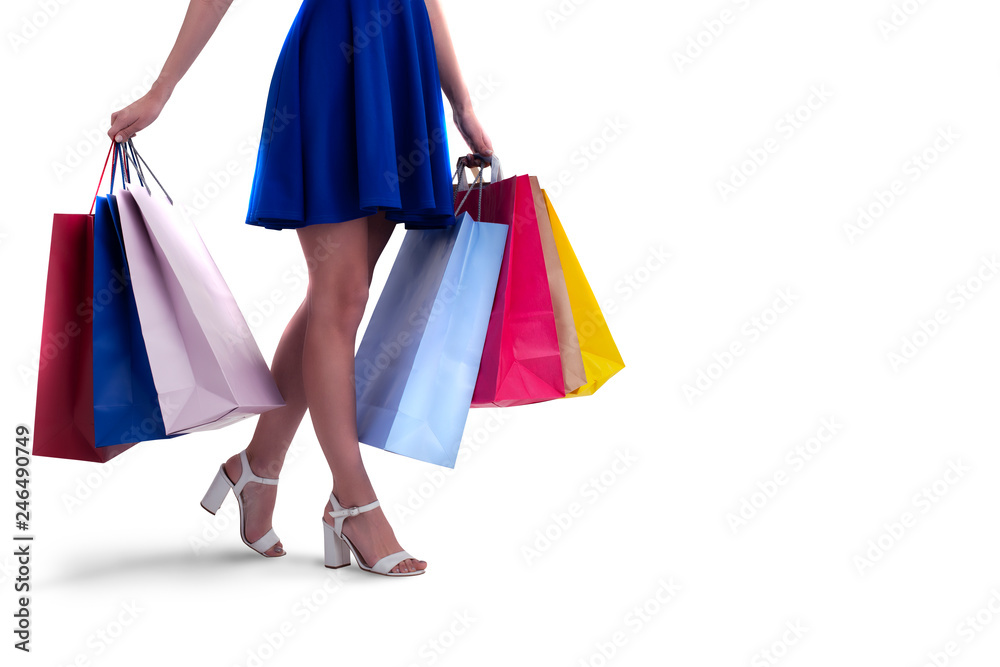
338	306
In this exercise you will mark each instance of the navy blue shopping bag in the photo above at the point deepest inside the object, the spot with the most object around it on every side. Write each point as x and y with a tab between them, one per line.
126	407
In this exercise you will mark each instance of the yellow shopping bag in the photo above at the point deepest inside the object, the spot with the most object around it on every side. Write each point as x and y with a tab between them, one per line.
601	358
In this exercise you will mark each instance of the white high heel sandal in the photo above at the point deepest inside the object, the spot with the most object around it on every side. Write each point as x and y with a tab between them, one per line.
338	547
217	493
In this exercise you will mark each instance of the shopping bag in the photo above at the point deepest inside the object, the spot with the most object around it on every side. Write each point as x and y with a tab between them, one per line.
64	410
521	357
417	363
126	408
206	366
574	375
601	358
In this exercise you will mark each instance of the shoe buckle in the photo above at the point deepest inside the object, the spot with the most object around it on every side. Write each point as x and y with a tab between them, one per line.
354	511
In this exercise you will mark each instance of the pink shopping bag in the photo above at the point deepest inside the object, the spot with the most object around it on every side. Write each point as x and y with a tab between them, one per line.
206	365
520	363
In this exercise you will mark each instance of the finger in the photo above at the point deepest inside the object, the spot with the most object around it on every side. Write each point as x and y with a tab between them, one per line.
117	131
112	130
487	144
127	132
121	125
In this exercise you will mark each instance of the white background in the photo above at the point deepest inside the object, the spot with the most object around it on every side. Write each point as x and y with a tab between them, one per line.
125	536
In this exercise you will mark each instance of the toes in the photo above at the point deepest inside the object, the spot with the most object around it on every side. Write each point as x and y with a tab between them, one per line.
410	565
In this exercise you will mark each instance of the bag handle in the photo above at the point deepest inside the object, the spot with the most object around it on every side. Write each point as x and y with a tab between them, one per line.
101	179
468	191
119	158
496	171
115	161
135	158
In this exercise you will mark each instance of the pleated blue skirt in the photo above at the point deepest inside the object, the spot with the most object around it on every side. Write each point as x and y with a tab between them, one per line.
354	121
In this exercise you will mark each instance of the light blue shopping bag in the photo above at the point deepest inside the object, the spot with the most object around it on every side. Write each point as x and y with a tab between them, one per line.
417	364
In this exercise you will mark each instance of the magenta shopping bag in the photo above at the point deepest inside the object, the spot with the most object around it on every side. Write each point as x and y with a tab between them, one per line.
521	357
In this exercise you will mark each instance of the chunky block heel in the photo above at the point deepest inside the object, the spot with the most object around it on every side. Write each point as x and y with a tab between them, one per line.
336	551
217	492
339	547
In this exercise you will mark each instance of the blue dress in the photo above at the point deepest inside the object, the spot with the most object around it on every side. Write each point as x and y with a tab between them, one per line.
354	121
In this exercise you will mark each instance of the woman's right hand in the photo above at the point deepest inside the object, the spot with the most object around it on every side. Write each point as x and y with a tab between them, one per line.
126	122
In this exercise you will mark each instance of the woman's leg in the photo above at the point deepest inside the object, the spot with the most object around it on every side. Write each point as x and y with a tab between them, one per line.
274	432
276	428
337	296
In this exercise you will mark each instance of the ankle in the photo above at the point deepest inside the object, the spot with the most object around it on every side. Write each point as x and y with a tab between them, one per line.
265	465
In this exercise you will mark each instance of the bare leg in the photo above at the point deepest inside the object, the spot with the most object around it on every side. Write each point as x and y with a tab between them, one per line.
337	296
276	428
274	432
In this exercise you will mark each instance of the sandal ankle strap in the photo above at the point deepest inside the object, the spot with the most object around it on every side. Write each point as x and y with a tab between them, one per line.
340	512
350	511
246	474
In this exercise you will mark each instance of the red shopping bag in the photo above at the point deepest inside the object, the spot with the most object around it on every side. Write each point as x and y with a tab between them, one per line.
64	402
520	363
